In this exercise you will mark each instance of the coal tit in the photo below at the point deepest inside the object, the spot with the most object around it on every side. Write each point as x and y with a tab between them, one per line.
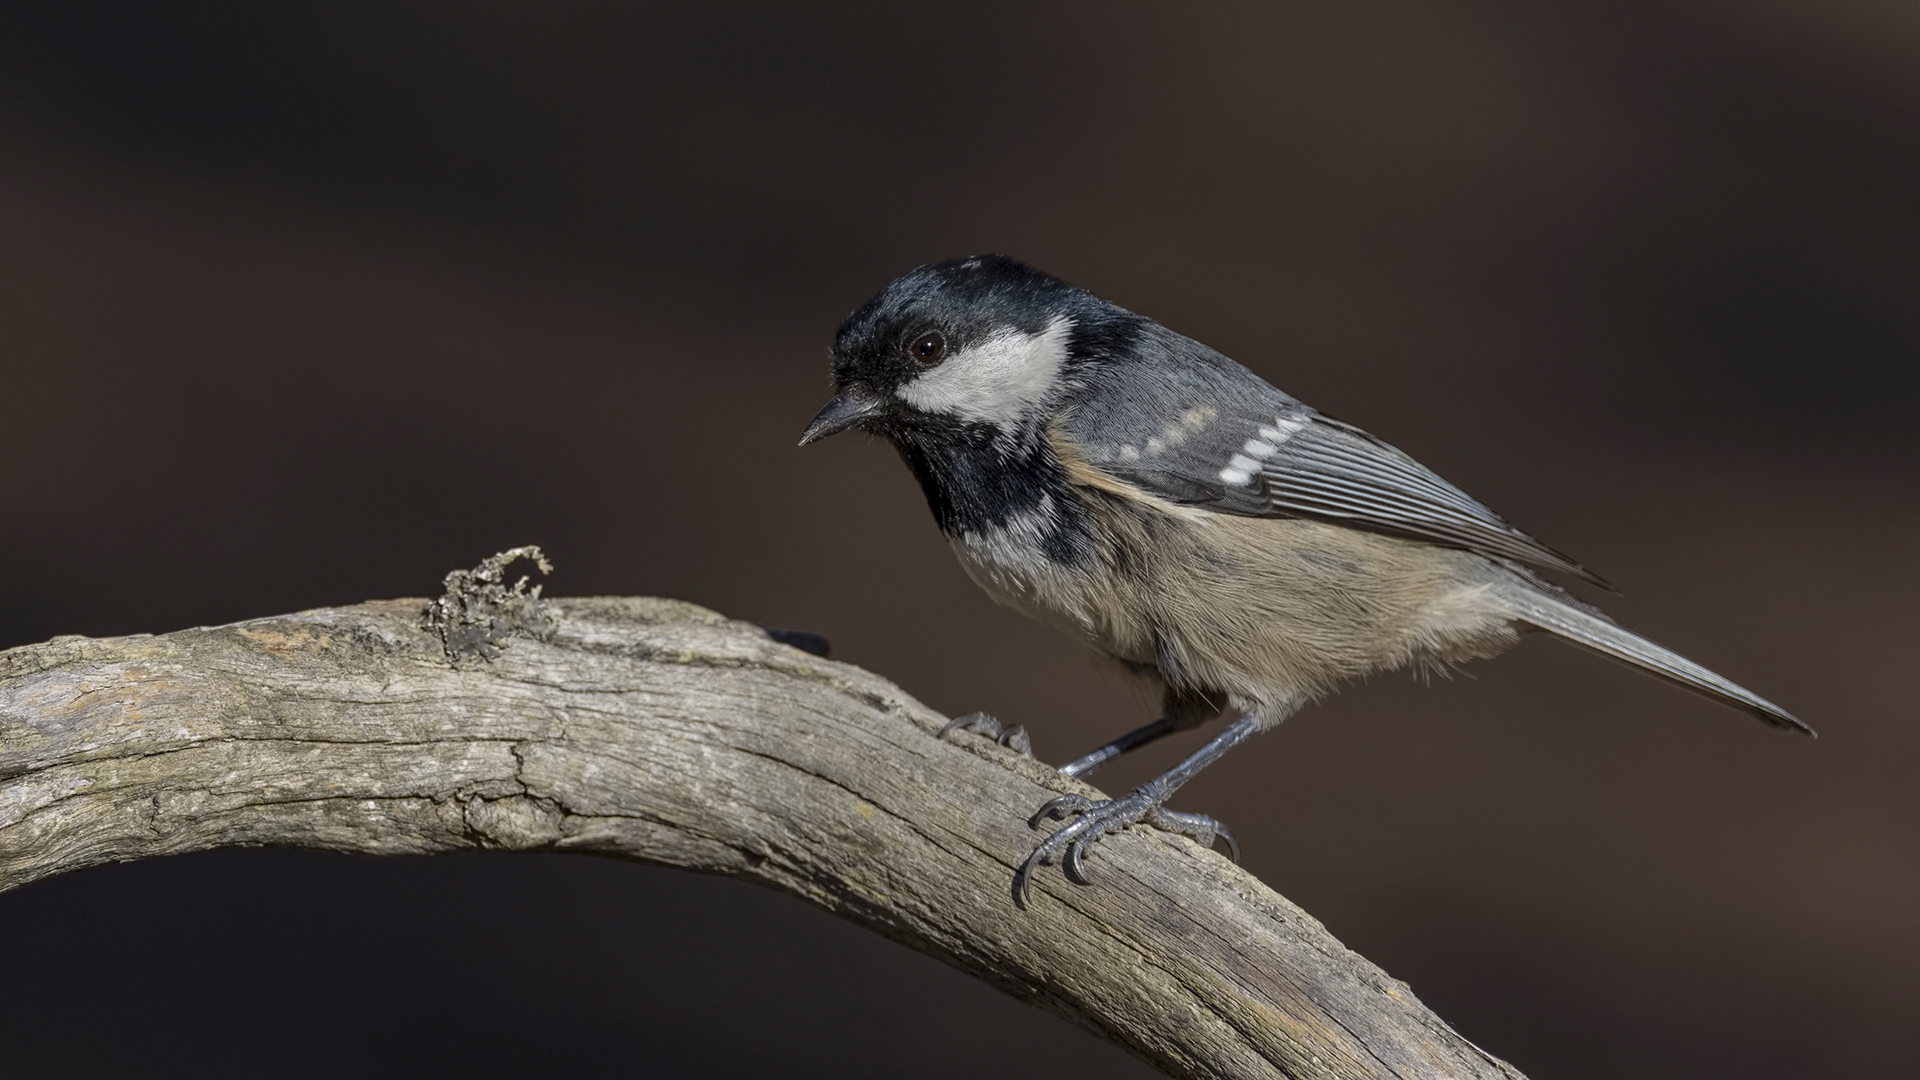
1152	497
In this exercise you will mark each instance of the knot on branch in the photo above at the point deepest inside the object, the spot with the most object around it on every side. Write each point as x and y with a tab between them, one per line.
478	612
514	822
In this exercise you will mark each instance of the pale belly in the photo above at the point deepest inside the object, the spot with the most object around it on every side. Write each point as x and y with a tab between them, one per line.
1018	575
1261	609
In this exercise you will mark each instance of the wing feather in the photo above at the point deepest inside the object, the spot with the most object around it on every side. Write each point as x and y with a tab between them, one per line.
1186	424
1334	471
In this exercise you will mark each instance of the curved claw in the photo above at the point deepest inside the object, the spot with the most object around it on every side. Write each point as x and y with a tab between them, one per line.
1201	828
1023	879
984	723
1013	738
1071	842
1095	819
1067	843
1058	809
1074	864
1233	846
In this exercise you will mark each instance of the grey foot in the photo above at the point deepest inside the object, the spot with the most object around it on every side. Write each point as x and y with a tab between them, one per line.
1095	818
1013	738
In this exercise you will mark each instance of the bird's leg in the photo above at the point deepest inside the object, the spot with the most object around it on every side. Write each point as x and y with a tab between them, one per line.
1013	738
1132	740
1095	818
1183	709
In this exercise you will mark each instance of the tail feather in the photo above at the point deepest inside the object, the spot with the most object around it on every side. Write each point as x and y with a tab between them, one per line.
1596	633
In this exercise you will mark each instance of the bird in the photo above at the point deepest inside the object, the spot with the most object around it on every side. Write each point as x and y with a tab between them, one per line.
1146	494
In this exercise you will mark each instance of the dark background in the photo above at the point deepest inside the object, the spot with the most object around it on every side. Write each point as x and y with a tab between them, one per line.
304	304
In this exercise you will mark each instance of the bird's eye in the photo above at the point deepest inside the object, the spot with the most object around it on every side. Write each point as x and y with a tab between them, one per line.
929	347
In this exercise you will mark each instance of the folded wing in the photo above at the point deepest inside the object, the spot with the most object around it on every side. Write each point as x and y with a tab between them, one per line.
1275	457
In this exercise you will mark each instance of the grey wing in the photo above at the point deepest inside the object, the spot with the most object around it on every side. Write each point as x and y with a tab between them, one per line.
1217	436
1339	473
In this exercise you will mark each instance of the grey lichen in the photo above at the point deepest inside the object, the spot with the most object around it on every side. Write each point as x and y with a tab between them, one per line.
478	612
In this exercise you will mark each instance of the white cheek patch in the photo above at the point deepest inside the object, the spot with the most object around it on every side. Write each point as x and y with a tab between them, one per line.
996	381
1246	464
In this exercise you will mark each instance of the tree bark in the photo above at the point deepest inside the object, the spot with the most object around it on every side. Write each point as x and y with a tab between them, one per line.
658	731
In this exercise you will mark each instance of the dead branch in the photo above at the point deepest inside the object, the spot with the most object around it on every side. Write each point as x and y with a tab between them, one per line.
658	731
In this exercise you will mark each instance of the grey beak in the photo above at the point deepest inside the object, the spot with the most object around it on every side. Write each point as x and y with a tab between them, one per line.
853	405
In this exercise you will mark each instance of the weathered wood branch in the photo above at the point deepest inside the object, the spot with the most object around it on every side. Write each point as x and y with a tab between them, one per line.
658	731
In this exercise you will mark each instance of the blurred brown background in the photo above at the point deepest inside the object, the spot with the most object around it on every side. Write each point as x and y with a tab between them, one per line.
302	304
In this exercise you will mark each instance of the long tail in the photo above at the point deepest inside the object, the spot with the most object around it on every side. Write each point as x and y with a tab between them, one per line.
1594	632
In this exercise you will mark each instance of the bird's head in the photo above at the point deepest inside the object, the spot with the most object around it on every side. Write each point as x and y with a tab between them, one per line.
977	343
